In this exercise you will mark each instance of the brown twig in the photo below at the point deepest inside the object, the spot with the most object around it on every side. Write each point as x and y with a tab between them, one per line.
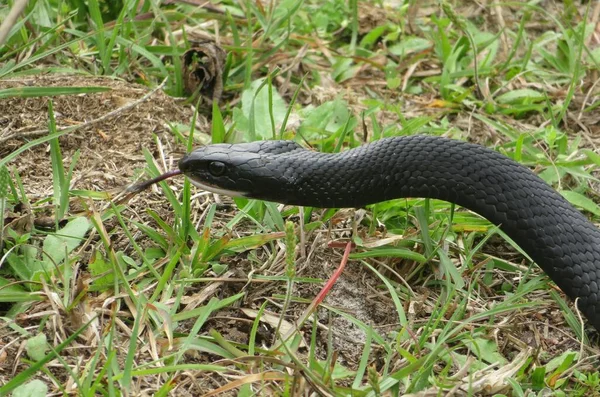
104	117
11	19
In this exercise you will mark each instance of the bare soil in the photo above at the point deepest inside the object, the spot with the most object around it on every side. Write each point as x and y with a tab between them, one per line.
111	157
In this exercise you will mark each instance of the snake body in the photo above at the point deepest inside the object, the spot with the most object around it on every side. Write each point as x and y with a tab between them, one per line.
559	238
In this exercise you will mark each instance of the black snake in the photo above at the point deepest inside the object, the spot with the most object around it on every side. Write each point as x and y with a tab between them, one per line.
557	236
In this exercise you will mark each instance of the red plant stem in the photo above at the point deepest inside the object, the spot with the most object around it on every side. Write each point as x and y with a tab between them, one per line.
329	284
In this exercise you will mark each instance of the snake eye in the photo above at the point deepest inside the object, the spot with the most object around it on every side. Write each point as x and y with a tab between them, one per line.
216	168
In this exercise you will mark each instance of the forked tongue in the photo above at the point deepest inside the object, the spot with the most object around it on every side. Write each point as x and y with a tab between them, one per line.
126	194
138	187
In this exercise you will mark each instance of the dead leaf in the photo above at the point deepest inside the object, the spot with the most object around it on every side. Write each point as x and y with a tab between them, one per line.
203	66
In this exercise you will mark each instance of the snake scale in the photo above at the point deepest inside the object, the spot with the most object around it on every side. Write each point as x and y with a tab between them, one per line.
559	238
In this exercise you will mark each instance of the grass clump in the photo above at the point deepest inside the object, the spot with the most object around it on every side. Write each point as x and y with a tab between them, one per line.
179	291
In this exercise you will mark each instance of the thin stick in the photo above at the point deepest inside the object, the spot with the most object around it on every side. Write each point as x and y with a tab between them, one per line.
106	116
11	19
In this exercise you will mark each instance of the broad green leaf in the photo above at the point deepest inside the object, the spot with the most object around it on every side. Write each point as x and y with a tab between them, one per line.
25	264
538	377
410	45
58	245
595	157
15	292
37	346
562	362
339	370
485	349
34	388
324	120
257	101
371	38
524	95
26	374
581	201
101	271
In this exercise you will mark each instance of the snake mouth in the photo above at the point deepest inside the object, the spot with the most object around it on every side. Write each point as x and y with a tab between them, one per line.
214	189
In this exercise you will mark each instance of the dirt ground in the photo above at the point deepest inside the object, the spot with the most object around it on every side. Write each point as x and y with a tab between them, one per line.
111	151
111	157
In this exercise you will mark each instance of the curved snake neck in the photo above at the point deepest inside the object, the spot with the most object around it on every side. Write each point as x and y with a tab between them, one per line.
546	226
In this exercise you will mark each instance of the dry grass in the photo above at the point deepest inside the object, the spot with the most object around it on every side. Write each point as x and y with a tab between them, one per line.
168	323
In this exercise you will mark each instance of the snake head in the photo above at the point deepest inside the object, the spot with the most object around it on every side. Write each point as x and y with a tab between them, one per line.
236	170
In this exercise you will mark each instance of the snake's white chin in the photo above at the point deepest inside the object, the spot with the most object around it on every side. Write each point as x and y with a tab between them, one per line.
214	189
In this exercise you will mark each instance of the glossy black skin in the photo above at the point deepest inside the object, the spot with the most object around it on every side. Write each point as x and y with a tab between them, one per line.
247	168
546	226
